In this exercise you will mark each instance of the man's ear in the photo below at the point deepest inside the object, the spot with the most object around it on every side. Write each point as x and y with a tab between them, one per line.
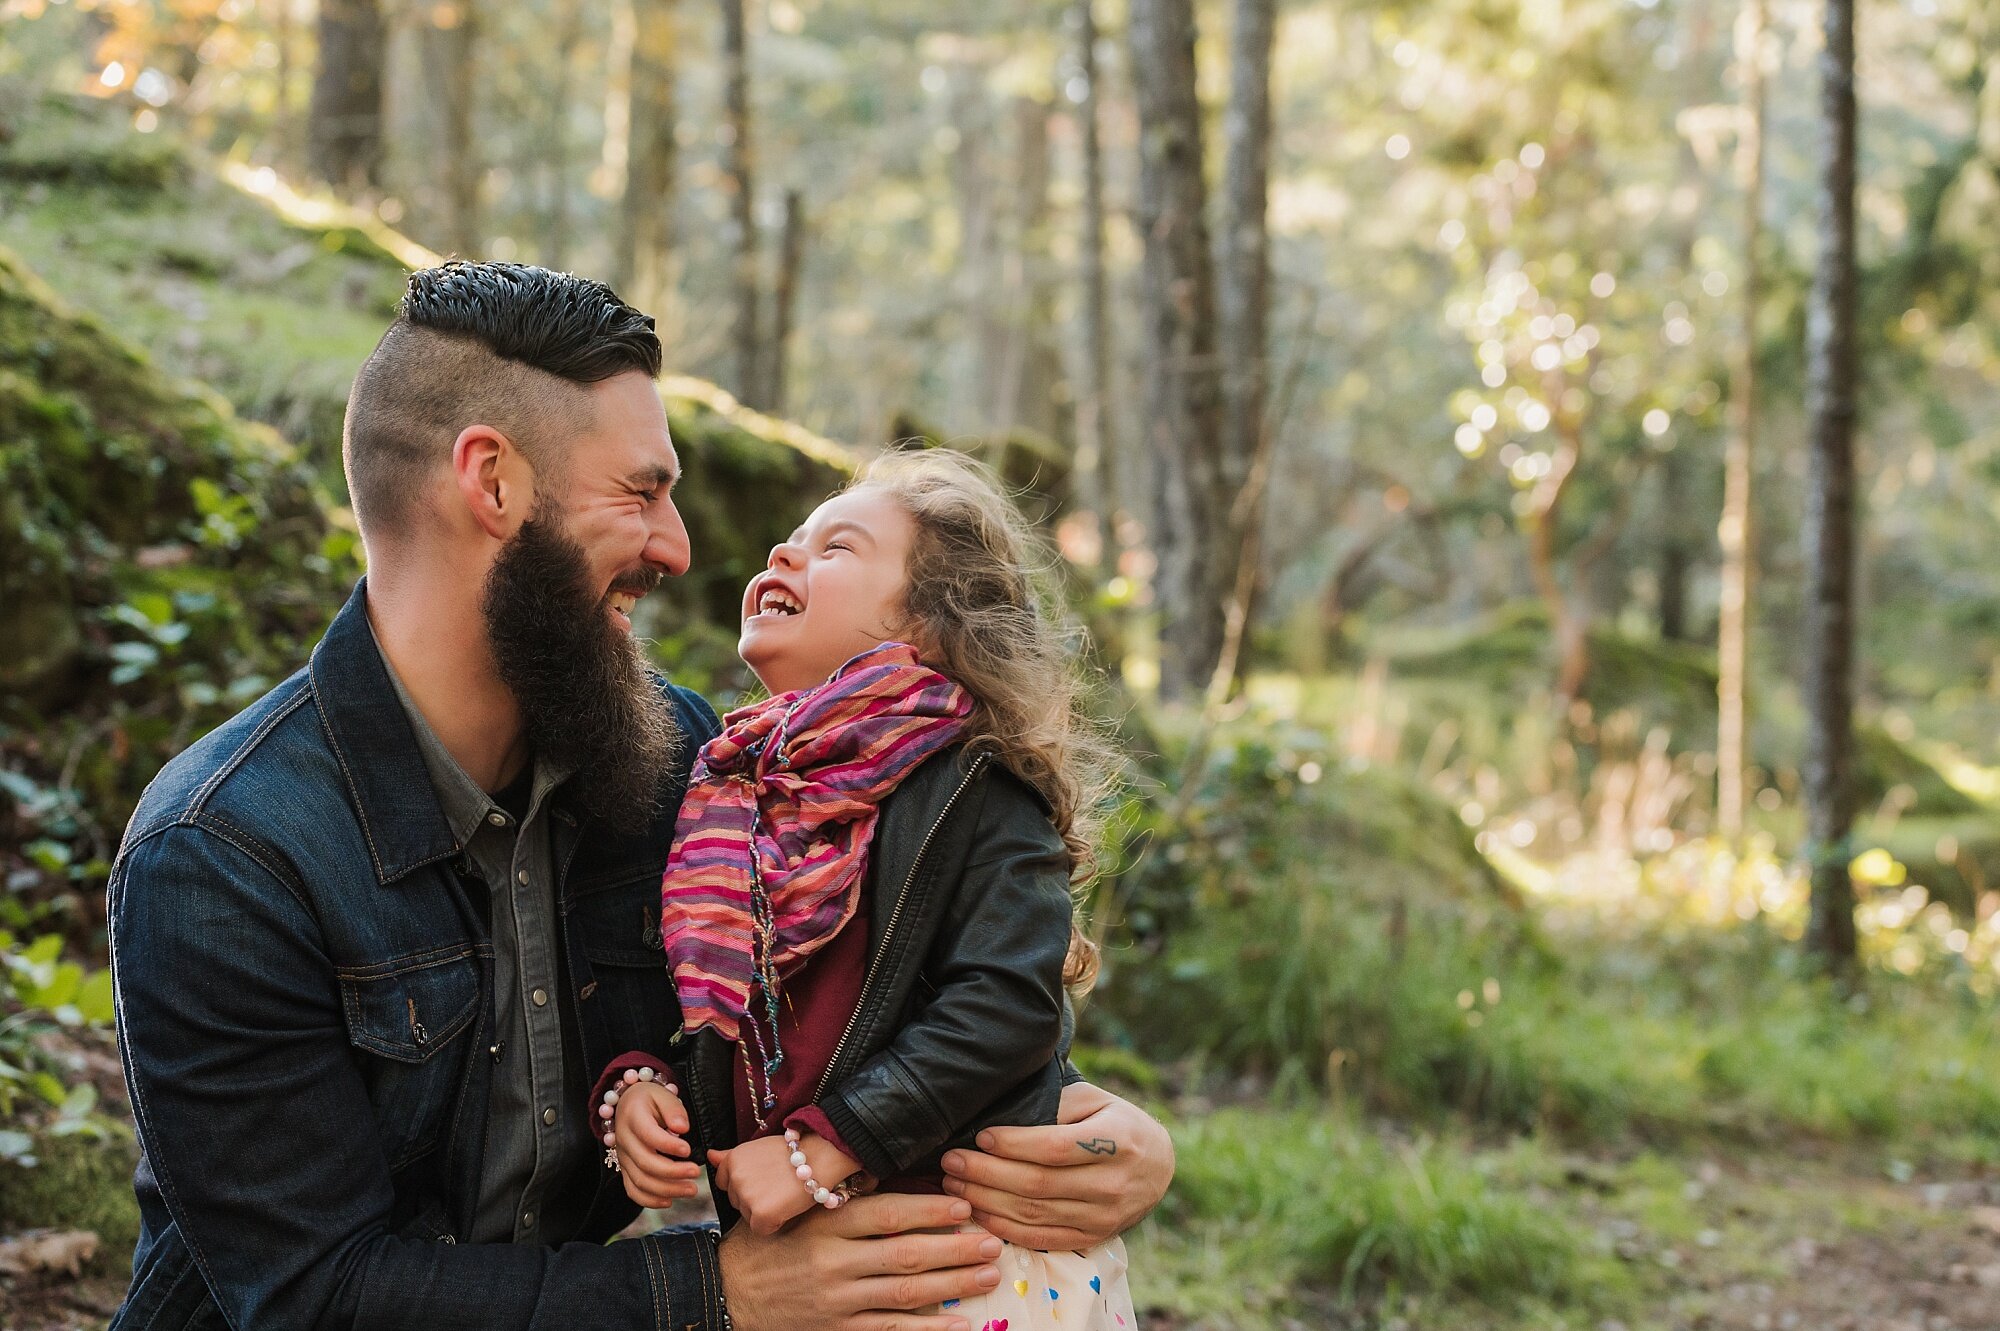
493	479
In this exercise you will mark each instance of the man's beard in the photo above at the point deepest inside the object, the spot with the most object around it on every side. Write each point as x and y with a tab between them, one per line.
587	702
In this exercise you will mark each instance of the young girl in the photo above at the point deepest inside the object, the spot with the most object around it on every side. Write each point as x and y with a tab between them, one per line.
867	907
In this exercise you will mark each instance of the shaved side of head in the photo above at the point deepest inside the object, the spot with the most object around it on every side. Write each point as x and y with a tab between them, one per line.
502	345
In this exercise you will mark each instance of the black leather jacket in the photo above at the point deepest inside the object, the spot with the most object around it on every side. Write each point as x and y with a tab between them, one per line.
962	1023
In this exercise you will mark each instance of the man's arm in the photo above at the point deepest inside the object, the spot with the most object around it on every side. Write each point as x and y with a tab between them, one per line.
1094	1174
259	1130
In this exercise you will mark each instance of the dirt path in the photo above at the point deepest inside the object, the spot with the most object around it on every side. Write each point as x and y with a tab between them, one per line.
1924	1258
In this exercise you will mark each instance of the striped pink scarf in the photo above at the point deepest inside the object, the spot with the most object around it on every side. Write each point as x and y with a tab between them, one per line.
773	836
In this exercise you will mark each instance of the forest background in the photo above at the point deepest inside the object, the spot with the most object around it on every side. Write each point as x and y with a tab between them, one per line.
1527	470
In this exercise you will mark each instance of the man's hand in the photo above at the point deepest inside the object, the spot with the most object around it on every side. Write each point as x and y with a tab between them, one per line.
654	1159
763	1184
864	1267
1093	1175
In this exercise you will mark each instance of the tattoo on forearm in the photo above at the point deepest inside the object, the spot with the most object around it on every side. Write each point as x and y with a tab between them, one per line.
1100	1146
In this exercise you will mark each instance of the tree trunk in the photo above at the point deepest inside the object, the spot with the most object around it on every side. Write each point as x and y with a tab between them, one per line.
1242	286
345	127
1831	366
978	333
791	250
1735	534
1183	402
643	257
1676	557
431	163
738	167
1243	279
1023	377
453	35
1569	626
555	140
1677	539
1096	447
287	114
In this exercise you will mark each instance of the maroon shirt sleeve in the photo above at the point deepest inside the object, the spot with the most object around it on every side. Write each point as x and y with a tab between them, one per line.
813	1119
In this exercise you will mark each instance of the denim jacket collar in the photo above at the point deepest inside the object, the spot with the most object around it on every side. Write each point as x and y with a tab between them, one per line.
401	817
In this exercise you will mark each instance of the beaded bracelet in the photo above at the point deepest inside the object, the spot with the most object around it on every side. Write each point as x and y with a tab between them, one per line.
830	1198
607	1110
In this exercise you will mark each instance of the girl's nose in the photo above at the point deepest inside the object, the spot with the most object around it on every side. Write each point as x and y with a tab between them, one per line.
786	554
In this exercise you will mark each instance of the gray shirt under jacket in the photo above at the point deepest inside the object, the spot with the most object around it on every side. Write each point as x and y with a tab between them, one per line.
532	1136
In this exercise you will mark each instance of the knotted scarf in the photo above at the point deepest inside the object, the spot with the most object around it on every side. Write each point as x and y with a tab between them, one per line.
773	836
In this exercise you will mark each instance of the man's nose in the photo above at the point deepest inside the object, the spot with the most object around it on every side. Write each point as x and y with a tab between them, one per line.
668	546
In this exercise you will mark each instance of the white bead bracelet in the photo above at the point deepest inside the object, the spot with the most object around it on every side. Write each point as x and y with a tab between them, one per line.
609	1108
830	1198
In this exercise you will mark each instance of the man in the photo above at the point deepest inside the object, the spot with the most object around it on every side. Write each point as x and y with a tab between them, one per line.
373	936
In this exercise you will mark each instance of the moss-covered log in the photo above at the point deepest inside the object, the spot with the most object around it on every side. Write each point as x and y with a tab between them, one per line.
160	560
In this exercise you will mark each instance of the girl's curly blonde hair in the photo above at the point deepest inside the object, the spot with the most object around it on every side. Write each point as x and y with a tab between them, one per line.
985	612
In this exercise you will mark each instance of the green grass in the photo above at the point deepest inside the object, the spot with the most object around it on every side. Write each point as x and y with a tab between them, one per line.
1270	1211
1341	935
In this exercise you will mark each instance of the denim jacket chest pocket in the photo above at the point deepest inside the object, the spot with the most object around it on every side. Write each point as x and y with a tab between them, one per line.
408	1020
615	921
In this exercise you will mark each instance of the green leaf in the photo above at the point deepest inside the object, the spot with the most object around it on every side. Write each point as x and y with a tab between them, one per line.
94	999
60	989
50	1089
25	791
157	608
49	856
80	1101
17	1148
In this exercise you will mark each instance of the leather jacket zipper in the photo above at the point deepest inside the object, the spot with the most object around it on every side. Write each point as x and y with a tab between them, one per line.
889	930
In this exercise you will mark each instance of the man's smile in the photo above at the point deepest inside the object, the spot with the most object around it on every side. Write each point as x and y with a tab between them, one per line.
621	604
626	593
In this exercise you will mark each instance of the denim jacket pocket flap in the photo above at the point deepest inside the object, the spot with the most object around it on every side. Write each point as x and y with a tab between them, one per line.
620	931
409	1010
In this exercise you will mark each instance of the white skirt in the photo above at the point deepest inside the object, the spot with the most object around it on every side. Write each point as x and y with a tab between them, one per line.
1053	1291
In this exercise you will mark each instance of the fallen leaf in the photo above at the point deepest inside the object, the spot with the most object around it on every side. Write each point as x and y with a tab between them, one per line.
46	1252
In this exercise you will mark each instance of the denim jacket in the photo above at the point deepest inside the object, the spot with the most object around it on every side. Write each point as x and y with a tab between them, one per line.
306	1010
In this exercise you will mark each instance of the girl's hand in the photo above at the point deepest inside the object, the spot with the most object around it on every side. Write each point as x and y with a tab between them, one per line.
763	1185
654	1159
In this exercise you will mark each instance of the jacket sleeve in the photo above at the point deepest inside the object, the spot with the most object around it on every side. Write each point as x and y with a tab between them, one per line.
996	1016
260	1134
